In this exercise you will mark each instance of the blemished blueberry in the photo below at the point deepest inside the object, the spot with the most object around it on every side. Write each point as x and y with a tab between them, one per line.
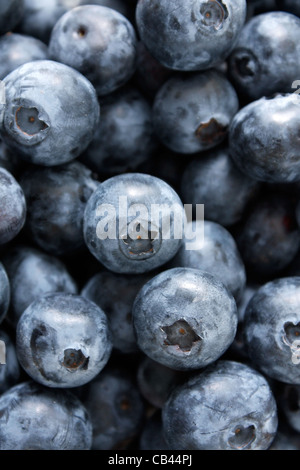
184	318
115	294
11	14
263	63
190	35
13	207
156	381
264	127
151	437
54	119
215	181
56	199
125	137
192	113
272	329
218	254
133	223
33	417
63	340
5	292
39	18
116	407
33	273
228	406
97	41
17	49
10	371
268	237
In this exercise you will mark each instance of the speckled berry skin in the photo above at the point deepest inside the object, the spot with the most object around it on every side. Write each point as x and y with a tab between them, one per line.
218	255
17	49
215	181
263	63
190	35
97	41
51	112
184	318
63	340
192	113
10	14
56	199
271	329
5	292
273	155
228	406
123	250
13	207
10	372
34	417
33	273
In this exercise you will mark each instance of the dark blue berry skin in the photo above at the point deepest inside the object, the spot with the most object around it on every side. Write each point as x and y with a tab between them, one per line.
10	372
11	14
5	292
228	406
192	113
215	181
184	318
124	254
17	49
33	273
63	340
275	123
39	17
116	408
115	294
218	255
190	35
125	138
56	199
13	207
97	41
156	381
271	329
269	237
151	437
53	120
263	63
34	417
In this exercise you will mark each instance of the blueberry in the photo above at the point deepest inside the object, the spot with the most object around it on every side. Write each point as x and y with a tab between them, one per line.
17	49
10	372
192	113
288	399
54	119
272	329
33	417
56	199
13	207
11	14
5	293
190	35
215	181
116	408
63	340
121	228
115	294
122	6
228	406
263	63
218	255
124	139
97	41
184	318
267	126
33	273
151	437
269	237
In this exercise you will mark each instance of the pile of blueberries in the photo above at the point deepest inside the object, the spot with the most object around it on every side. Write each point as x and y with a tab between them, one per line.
137	342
